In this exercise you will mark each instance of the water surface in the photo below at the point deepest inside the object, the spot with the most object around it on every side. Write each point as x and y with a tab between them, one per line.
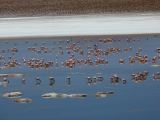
129	101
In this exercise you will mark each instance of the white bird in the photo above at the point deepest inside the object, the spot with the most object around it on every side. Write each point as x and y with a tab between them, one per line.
77	95
16	94
23	100
104	94
54	95
11	75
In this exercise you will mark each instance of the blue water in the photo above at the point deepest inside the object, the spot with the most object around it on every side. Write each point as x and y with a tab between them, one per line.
129	101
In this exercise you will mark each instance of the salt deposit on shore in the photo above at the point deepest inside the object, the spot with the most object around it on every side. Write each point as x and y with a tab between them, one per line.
80	25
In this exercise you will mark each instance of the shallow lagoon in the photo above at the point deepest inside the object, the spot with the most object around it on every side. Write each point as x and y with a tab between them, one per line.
129	101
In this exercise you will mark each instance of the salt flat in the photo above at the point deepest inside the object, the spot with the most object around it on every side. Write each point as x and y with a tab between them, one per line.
104	24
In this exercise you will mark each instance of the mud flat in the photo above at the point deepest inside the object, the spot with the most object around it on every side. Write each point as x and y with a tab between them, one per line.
9	8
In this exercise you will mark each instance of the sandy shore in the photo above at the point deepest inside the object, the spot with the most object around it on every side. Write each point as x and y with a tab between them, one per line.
10	8
79	37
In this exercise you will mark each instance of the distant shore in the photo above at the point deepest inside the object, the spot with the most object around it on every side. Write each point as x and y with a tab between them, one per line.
17	8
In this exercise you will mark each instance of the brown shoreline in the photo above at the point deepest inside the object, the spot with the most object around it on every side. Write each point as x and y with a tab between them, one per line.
17	8
77	36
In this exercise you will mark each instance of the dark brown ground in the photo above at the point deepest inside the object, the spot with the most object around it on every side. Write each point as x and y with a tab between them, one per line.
67	7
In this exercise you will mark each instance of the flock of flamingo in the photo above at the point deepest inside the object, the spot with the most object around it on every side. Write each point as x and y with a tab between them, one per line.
70	54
